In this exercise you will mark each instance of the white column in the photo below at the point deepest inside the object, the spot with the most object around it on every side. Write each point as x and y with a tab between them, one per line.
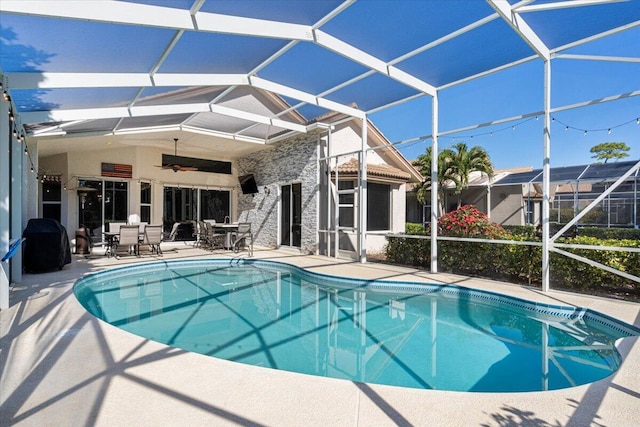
545	176
5	183
362	195
434	183
17	193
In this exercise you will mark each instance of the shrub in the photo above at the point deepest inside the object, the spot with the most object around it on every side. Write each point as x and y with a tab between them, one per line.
519	263
413	228
468	221
610	233
521	230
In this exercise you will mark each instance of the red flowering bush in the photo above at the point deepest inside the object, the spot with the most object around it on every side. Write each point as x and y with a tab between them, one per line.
468	221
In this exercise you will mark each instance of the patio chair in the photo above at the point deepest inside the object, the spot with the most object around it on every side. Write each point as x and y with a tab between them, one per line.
114	227
201	234
214	239
141	226
174	231
129	239
242	238
153	238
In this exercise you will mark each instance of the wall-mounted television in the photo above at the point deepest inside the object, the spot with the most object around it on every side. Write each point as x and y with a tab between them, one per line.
248	184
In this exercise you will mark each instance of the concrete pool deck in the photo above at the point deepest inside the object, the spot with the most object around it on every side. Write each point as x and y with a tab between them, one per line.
60	366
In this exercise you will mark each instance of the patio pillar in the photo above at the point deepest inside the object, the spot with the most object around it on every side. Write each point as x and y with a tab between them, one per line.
16	206
362	195
5	184
545	176
434	183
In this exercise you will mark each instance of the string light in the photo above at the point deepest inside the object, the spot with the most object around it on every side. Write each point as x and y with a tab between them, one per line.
609	130
513	127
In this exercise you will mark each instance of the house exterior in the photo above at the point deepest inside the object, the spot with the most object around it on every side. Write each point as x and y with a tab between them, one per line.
99	179
514	196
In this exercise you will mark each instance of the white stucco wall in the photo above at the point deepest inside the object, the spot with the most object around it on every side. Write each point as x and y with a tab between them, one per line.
87	165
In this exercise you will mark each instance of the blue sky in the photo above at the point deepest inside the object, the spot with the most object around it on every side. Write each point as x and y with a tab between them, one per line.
520	91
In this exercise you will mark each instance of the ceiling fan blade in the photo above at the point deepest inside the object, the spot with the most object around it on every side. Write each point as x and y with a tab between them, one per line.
177	167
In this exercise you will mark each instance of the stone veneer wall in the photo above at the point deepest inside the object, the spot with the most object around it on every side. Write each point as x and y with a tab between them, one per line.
287	162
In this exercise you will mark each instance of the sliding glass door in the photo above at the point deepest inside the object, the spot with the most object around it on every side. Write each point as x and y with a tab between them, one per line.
101	202
215	204
291	215
186	205
180	205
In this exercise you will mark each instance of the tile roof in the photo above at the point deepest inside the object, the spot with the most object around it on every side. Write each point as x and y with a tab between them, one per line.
350	169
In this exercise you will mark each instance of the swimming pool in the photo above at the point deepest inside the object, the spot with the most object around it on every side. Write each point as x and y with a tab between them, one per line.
279	316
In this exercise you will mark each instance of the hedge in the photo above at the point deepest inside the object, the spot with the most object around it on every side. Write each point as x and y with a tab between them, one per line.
523	263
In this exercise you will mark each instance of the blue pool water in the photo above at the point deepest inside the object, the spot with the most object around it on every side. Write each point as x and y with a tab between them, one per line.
405	334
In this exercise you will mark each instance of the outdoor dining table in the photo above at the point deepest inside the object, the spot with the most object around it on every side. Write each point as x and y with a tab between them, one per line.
110	240
228	229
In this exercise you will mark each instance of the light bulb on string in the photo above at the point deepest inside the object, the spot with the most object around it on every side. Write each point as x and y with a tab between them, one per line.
585	133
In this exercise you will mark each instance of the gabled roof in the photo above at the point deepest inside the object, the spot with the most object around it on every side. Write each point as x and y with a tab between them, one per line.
382	172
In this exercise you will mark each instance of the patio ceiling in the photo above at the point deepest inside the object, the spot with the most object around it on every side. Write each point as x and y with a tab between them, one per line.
250	70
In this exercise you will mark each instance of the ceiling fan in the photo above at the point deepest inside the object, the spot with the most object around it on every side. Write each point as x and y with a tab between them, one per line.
177	167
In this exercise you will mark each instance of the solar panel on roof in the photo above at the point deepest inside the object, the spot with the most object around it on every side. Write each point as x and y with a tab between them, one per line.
608	170
593	172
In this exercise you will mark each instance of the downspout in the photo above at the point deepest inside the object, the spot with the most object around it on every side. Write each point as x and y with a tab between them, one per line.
434	183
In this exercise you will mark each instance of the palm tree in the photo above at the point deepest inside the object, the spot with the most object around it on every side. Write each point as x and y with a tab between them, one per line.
463	161
445	175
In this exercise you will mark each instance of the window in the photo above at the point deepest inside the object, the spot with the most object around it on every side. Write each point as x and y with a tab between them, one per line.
145	202
346	201
51	200
378	202
378	206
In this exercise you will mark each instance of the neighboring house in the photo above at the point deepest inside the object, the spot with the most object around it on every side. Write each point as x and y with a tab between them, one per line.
97	179
514	196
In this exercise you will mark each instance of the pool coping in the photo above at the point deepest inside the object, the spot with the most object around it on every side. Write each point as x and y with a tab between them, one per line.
62	366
